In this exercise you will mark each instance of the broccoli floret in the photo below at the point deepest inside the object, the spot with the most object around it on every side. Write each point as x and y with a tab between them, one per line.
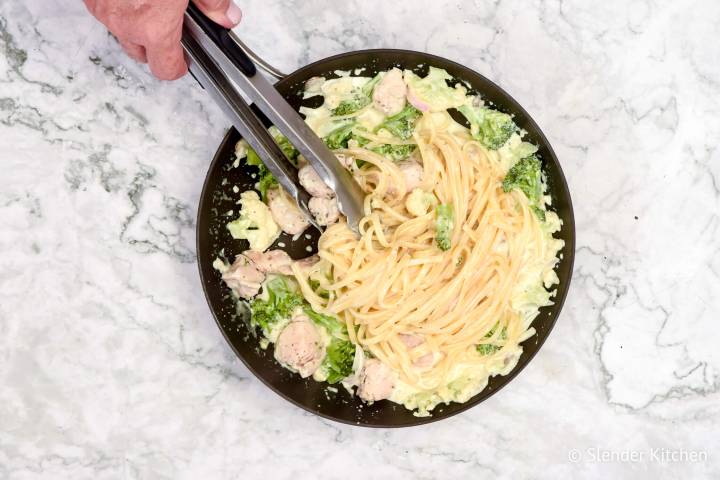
319	291
282	299
489	127
332	324
395	152
253	158
338	360
526	175
339	137
369	87
288	149
359	100
443	226
489	348
402	124
352	105
340	354
266	180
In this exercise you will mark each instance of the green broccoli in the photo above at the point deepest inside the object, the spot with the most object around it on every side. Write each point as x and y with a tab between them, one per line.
526	175
489	348
359	100
288	149
282	299
253	158
395	152
321	292
266	180
339	137
443	226
352	105
340	353
331	324
490	127
402	124
338	360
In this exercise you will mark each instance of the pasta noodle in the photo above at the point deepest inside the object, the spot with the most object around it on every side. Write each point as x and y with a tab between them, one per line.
394	281
455	255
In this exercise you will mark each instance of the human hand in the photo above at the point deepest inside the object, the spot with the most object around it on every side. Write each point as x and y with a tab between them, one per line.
150	30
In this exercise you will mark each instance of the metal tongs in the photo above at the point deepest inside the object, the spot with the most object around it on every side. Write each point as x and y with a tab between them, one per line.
218	63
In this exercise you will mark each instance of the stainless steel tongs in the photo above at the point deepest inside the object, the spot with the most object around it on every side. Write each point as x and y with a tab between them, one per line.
218	63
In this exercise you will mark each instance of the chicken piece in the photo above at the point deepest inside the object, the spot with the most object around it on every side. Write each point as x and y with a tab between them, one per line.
244	278
412	341
285	212
376	381
273	261
300	347
389	94
311	181
325	210
307	263
425	361
412	173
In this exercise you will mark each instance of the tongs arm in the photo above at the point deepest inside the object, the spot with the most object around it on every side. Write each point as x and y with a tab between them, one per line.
216	83
235	65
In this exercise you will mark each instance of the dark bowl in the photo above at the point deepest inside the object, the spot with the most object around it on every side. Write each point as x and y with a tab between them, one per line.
218	198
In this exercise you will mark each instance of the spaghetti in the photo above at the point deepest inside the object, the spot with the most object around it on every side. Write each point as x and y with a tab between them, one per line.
455	256
393	281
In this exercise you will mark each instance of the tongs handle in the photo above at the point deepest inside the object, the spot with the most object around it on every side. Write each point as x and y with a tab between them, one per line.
222	90
234	65
221	36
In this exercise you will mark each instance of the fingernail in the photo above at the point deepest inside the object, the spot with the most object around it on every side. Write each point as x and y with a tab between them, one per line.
234	14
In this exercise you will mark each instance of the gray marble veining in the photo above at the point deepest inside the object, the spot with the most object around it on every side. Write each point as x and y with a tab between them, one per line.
110	363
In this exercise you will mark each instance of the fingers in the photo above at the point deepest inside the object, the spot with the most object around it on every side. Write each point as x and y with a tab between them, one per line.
135	51
166	58
223	12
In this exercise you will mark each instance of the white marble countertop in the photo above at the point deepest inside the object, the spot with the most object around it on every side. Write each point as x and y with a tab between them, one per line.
112	367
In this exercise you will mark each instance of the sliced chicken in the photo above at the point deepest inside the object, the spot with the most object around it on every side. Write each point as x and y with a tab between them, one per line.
307	263
376	381
311	181
389	94
426	361
300	347
244	278
285	212
412	341
325	210
272	261
412	173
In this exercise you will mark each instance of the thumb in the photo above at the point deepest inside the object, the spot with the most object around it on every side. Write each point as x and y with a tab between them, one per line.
222	12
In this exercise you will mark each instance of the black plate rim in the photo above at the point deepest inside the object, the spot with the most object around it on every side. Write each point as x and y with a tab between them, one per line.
568	222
